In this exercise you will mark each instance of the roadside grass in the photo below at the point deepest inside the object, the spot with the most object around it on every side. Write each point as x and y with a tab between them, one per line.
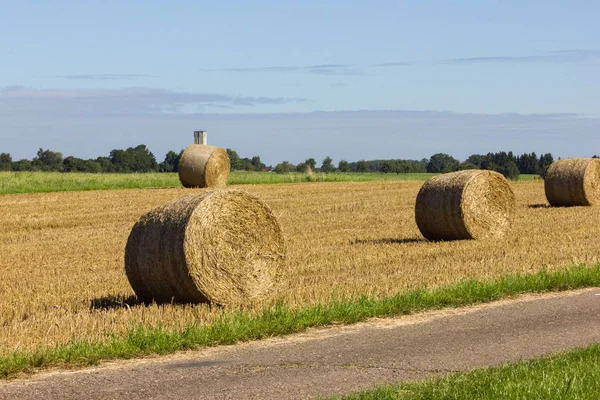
239	326
43	182
570	375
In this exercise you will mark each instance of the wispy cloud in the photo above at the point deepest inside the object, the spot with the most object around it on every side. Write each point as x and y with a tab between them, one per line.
18	100
318	69
547	57
550	57
395	64
105	77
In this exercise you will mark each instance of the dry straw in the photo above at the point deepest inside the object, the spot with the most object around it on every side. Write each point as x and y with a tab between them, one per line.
221	246
573	182
204	166
471	204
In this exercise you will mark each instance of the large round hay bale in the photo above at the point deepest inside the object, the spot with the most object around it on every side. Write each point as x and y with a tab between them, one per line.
221	246
471	204
573	182
204	166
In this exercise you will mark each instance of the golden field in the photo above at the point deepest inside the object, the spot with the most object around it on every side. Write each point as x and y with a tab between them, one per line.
62	273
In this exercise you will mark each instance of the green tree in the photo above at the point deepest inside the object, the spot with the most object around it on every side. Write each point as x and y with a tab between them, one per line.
311	163
302	167
171	162
344	166
545	161
528	163
47	160
284	167
467	165
327	165
134	159
234	160
21	165
361	166
388	166
257	165
475	159
5	162
442	162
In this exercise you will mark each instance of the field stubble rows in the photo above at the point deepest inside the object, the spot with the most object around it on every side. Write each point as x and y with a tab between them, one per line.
62	253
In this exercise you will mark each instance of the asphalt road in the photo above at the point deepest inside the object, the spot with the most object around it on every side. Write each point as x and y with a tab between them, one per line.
340	359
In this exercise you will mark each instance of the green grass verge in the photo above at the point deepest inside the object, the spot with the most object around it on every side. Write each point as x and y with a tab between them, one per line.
572	375
43	182
239	326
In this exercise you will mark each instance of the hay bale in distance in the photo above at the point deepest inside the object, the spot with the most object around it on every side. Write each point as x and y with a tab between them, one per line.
573	182
470	204
221	246
204	166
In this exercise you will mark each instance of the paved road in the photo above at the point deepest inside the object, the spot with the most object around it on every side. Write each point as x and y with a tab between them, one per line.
340	359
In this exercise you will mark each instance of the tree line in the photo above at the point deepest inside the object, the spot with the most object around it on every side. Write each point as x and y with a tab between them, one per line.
132	159
141	159
508	164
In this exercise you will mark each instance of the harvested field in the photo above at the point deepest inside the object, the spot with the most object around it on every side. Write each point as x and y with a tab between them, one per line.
62	270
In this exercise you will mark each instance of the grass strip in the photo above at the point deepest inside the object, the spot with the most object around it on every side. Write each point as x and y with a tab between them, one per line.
571	375
44	182
240	326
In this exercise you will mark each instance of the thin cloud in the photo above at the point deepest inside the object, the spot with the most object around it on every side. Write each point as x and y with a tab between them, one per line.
18	100
104	77
318	69
548	57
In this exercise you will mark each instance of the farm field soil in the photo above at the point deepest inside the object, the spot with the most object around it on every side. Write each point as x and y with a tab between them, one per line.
62	273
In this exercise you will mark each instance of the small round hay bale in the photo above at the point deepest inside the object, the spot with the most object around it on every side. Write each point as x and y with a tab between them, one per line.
470	204
573	182
221	246
204	166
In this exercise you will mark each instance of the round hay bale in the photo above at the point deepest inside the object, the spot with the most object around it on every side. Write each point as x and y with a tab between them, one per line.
573	182
221	246
470	204
204	166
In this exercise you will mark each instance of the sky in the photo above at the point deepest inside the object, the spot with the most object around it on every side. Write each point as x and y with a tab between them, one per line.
289	80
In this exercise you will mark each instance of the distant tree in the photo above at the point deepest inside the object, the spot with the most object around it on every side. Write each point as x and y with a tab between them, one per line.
388	166
344	166
47	160
467	165
284	167
595	156
302	167
442	162
327	165
544	163
171	162
234	160
134	159
362	166
475	159
21	165
72	164
528	163
105	164
311	163
257	164
5	162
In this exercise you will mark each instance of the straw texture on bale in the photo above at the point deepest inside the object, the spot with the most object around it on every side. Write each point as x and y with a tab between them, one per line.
573	182
470	204
204	166
221	246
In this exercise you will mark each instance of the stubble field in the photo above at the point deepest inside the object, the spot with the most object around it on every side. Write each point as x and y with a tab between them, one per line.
62	273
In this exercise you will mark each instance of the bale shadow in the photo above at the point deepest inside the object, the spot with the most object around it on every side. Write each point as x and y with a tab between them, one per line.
115	302
390	241
539	206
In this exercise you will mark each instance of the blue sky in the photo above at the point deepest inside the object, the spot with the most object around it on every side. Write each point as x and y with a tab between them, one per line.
291	80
